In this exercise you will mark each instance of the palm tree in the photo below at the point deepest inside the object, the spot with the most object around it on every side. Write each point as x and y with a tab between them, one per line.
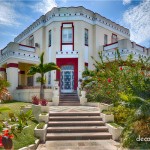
42	69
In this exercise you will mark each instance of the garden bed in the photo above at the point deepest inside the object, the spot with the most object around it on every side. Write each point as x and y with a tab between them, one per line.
27	136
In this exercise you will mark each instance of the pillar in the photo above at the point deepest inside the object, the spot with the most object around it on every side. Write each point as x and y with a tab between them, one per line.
12	76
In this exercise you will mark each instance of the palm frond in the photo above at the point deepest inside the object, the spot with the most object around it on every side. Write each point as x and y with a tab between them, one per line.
33	70
49	67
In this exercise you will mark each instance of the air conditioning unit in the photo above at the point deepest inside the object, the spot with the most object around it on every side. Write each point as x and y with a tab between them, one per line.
36	45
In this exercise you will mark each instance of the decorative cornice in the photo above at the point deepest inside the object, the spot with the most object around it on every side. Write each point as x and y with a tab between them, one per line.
73	12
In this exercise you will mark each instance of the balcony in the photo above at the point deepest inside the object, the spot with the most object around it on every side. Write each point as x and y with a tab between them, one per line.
19	52
65	54
125	48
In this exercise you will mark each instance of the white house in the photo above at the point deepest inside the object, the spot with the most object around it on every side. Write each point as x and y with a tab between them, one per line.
69	36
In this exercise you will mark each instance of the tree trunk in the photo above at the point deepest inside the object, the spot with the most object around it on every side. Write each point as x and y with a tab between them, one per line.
42	87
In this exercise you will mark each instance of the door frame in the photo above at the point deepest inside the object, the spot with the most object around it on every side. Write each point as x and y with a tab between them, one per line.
71	80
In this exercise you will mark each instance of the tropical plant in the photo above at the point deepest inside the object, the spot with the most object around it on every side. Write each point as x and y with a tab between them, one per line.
137	124
42	69
111	78
4	93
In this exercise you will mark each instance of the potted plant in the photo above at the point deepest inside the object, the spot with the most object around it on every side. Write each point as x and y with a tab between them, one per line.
43	117
44	105
6	140
40	131
115	130
107	116
36	108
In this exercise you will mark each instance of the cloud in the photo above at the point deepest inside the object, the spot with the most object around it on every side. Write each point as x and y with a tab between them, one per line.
137	19
8	15
44	6
8	34
126	2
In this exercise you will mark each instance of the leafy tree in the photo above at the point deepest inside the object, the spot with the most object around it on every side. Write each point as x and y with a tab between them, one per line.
42	69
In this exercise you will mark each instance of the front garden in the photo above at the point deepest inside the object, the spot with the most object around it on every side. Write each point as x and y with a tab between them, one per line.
26	137
125	84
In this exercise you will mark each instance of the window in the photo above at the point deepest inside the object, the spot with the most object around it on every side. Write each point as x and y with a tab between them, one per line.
114	38
50	38
86	37
31	41
105	39
30	81
67	35
49	78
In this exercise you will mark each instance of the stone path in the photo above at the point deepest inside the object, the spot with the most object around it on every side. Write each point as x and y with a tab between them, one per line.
78	144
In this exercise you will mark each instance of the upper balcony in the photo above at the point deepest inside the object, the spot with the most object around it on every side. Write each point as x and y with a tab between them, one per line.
125	48
20	52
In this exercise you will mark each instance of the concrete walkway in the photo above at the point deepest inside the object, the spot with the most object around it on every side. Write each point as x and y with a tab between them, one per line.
78	144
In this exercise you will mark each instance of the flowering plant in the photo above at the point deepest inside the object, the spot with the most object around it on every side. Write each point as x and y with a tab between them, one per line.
6	138
43	102
35	100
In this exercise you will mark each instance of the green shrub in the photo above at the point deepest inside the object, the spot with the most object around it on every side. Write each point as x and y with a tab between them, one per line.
41	125
121	114
107	112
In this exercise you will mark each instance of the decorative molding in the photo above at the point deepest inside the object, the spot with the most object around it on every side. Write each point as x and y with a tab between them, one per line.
70	14
13	65
2	69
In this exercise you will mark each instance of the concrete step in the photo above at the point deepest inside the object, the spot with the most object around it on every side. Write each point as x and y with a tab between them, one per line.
75	123
69	104
69	101
74	114
75	118
79	136
79	129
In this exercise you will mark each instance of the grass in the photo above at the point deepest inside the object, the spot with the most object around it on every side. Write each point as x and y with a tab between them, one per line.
27	136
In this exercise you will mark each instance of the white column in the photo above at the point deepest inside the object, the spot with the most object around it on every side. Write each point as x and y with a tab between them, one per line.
12	76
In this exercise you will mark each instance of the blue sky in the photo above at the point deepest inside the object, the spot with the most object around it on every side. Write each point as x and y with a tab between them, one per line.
17	15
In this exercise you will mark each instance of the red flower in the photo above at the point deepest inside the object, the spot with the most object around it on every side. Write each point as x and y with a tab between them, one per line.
7	133
1	145
109	80
121	68
11	136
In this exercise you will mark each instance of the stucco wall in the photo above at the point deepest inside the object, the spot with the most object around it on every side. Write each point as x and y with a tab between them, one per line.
25	95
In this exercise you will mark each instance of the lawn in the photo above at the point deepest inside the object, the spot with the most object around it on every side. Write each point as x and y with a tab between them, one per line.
27	136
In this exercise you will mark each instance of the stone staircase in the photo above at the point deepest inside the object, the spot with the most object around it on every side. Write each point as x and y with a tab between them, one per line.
76	126
69	99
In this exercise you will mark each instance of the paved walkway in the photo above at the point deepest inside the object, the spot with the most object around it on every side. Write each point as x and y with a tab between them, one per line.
73	109
82	144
